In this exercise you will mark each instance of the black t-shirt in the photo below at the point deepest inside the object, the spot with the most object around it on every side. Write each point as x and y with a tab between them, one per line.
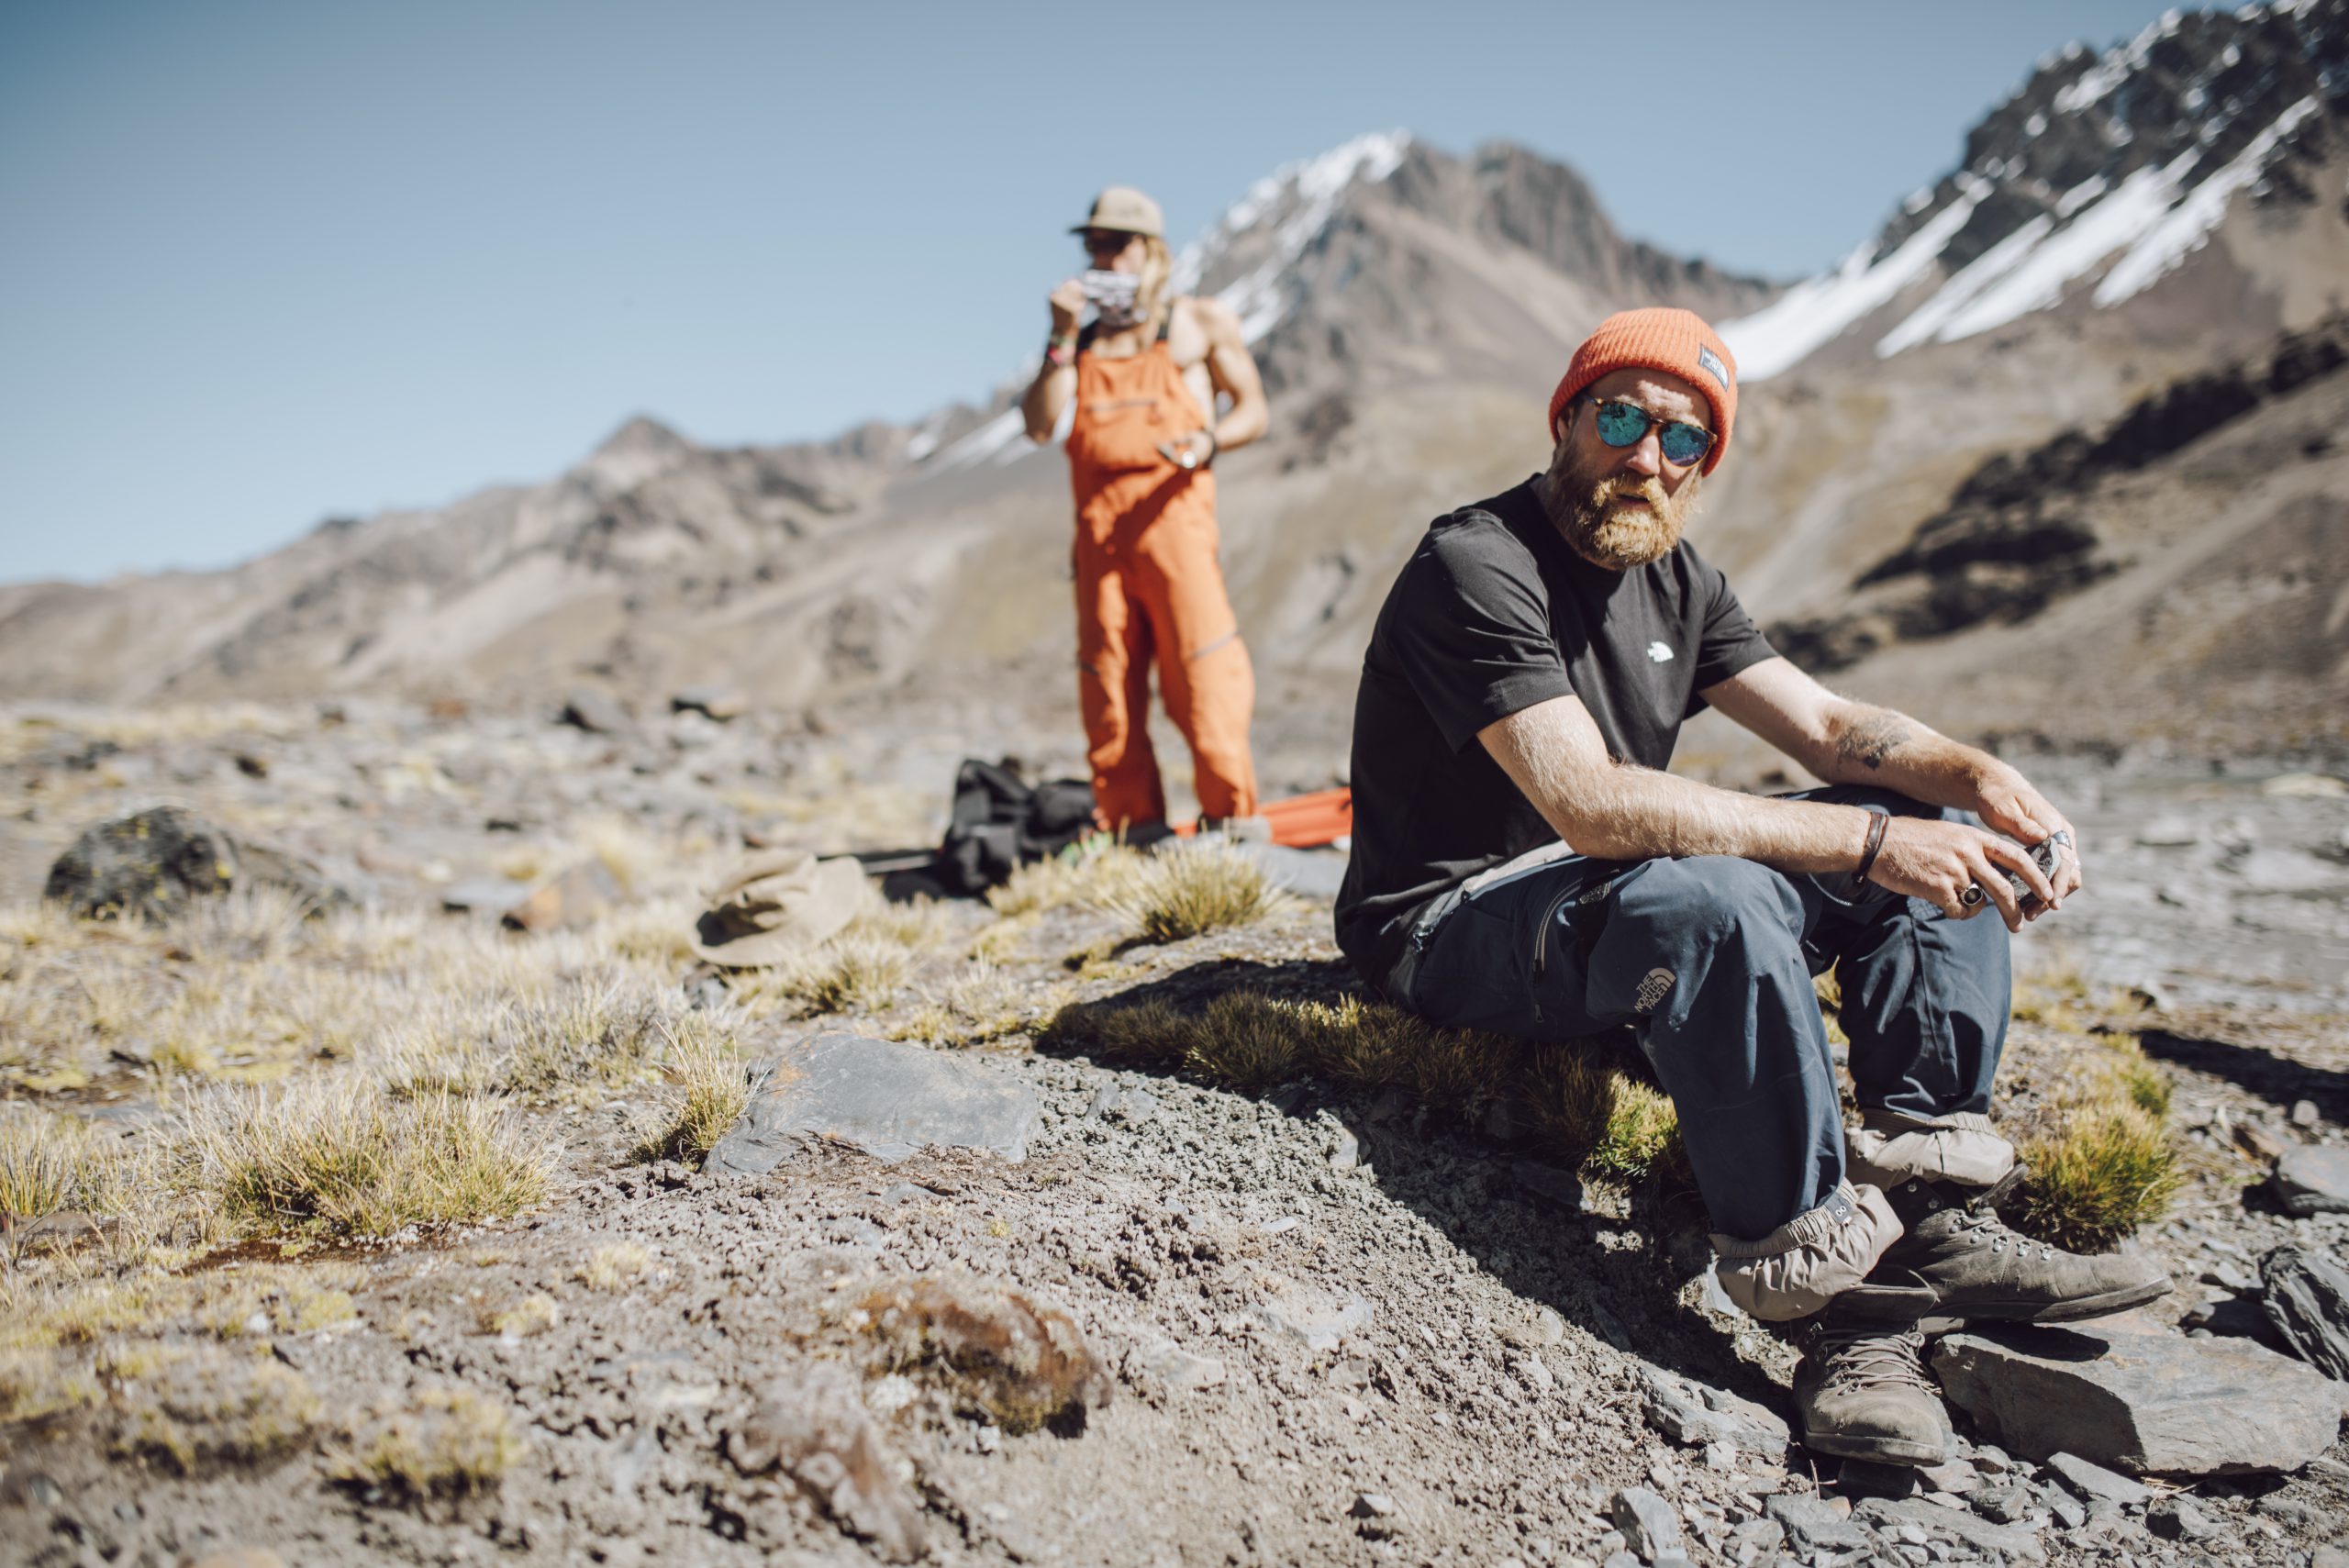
1493	614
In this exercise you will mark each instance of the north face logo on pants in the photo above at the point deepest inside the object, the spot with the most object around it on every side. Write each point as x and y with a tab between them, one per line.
1652	986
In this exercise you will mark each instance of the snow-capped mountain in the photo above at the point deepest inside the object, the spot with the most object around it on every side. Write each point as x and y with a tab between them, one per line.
2101	176
2124	220
1384	251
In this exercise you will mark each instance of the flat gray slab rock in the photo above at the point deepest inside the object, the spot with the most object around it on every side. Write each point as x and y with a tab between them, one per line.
2139	1402
2001	1542
884	1097
1692	1412
2307	1299
2312	1179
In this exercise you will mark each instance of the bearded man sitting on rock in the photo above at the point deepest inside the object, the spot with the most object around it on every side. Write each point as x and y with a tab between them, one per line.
1523	863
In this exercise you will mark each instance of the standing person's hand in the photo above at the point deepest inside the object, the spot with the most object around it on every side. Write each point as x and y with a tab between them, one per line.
1068	305
2011	804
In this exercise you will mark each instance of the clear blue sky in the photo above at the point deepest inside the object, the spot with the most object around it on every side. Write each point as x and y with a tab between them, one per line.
265	263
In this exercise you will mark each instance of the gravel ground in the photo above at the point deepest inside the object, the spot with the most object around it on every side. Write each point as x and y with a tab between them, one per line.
1318	1326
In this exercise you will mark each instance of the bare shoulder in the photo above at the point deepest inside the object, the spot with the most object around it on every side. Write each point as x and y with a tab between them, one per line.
1200	327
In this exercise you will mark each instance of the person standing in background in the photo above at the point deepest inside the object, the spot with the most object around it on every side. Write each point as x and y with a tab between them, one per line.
1144	375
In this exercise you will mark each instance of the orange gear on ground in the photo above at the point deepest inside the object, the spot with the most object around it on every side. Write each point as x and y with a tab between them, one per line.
1149	587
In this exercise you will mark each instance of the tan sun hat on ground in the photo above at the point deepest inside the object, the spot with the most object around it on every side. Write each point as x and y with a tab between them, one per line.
1124	210
773	905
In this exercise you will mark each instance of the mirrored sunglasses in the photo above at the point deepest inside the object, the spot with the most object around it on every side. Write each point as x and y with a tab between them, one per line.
1622	424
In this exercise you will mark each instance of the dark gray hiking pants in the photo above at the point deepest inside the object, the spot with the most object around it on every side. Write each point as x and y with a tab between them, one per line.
1710	958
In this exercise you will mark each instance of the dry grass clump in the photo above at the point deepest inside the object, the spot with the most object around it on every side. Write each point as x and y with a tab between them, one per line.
1185	891
1599	1118
583	1034
340	1155
1023	1365
615	1267
1073	876
981	1004
601	1031
448	1443
2106	1167
534	1314
33	1384
1589	1112
2109	1171
854	969
710	1084
656	932
213	1409
46	1164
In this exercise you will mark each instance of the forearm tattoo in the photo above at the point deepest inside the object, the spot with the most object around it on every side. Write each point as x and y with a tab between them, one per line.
1873	739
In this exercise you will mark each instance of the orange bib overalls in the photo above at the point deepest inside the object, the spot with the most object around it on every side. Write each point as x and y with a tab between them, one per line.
1148	583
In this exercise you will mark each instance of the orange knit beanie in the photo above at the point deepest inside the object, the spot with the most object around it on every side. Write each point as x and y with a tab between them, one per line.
1675	342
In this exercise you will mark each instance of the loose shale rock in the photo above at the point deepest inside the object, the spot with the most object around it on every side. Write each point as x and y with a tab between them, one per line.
1690	1412
2141	1403
2307	1299
886	1098
2313	1179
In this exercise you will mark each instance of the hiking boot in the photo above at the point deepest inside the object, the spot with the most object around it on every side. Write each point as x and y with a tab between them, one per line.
1958	1263
1861	1392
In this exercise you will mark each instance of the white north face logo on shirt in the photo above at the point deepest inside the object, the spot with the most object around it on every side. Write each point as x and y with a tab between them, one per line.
1659	652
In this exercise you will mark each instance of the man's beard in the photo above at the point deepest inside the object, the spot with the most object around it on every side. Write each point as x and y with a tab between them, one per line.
1617	537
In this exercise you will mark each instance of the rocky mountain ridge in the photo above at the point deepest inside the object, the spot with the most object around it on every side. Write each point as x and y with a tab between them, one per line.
2109	170
1410	309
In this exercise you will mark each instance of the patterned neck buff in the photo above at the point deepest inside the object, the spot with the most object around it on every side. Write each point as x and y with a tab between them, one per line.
1114	298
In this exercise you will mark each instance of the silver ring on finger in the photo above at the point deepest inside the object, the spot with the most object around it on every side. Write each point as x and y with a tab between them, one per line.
1973	895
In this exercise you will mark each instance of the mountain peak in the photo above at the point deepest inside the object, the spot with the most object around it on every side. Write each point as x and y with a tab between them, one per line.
2108	169
634	453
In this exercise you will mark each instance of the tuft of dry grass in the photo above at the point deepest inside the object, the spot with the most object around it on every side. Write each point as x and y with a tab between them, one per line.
1599	1120
1073	876
44	1162
199	1411
2109	1171
600	1032
710	1084
980	1004
448	1443
1592	1114
2102	1165
855	969
1185	892
534	1314
615	1267
340	1155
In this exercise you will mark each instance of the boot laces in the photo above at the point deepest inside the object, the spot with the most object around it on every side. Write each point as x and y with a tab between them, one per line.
1873	1358
2001	1240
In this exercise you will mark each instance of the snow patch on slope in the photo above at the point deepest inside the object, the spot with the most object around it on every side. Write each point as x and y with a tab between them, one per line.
2151	219
1814	312
1305	195
2115	67
1302	196
2188	225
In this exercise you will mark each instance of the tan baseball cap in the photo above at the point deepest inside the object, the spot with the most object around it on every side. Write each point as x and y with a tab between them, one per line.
1125	210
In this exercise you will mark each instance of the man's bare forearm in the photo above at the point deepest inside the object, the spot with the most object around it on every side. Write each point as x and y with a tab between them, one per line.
1633	813
1867	745
1618	812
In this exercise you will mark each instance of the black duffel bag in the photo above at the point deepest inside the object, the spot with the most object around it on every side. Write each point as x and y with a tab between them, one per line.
1000	824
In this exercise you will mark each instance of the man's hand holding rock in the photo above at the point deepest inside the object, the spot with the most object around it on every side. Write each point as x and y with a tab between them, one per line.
1938	862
